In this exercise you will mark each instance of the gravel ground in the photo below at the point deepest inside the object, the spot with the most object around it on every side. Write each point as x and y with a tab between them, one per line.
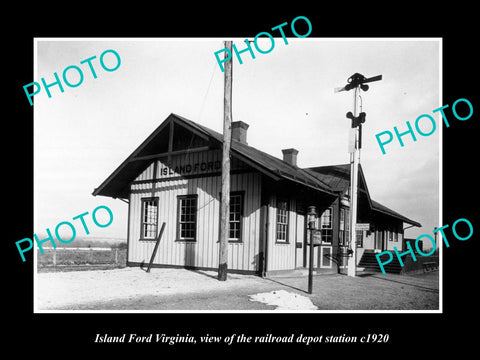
180	289
62	289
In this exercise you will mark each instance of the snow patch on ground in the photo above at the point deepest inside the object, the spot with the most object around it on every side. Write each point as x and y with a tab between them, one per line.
284	300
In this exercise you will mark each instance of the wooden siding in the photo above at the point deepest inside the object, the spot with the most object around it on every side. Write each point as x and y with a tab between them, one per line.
205	182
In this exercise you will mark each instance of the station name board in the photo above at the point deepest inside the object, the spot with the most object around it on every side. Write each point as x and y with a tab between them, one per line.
189	169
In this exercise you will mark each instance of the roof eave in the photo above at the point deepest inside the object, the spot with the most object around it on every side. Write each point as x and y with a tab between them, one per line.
399	217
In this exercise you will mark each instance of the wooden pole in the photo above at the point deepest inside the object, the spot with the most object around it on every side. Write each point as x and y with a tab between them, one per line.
227	136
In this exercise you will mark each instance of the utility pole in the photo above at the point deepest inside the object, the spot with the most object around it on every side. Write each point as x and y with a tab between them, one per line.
357	82
225	197
354	161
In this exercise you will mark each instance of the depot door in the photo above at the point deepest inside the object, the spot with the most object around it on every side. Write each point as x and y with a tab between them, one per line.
379	240
300	241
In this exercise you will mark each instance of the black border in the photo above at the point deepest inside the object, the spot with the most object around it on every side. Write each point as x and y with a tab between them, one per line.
426	334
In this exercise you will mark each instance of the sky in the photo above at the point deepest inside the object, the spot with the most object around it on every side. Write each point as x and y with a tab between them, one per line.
286	96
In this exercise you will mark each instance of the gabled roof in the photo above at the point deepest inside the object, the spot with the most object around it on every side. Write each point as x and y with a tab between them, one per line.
117	184
338	178
266	163
335	176
327	179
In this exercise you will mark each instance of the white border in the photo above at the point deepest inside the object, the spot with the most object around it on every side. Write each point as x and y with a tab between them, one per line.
440	294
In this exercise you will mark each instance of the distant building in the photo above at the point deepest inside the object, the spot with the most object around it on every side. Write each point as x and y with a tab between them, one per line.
174	176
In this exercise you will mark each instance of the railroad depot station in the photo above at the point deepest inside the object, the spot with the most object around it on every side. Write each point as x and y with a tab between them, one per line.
174	177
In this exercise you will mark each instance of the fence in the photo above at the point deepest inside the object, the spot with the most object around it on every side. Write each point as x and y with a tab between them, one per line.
65	259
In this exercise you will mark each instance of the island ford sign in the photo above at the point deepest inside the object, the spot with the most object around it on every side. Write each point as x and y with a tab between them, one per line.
187	169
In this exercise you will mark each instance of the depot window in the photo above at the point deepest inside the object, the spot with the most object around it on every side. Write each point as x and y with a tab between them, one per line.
149	218
187	218
326	226
235	217
390	235
282	221
359	238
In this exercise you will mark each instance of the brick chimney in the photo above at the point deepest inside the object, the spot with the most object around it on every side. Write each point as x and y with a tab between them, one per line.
239	131
290	156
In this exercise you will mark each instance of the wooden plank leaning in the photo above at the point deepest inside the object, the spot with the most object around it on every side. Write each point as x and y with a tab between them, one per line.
159	237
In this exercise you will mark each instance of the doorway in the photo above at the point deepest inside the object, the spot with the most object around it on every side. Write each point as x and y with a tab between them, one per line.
379	240
300	243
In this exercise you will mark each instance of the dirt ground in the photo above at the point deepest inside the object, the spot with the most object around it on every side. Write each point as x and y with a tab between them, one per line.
179	289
